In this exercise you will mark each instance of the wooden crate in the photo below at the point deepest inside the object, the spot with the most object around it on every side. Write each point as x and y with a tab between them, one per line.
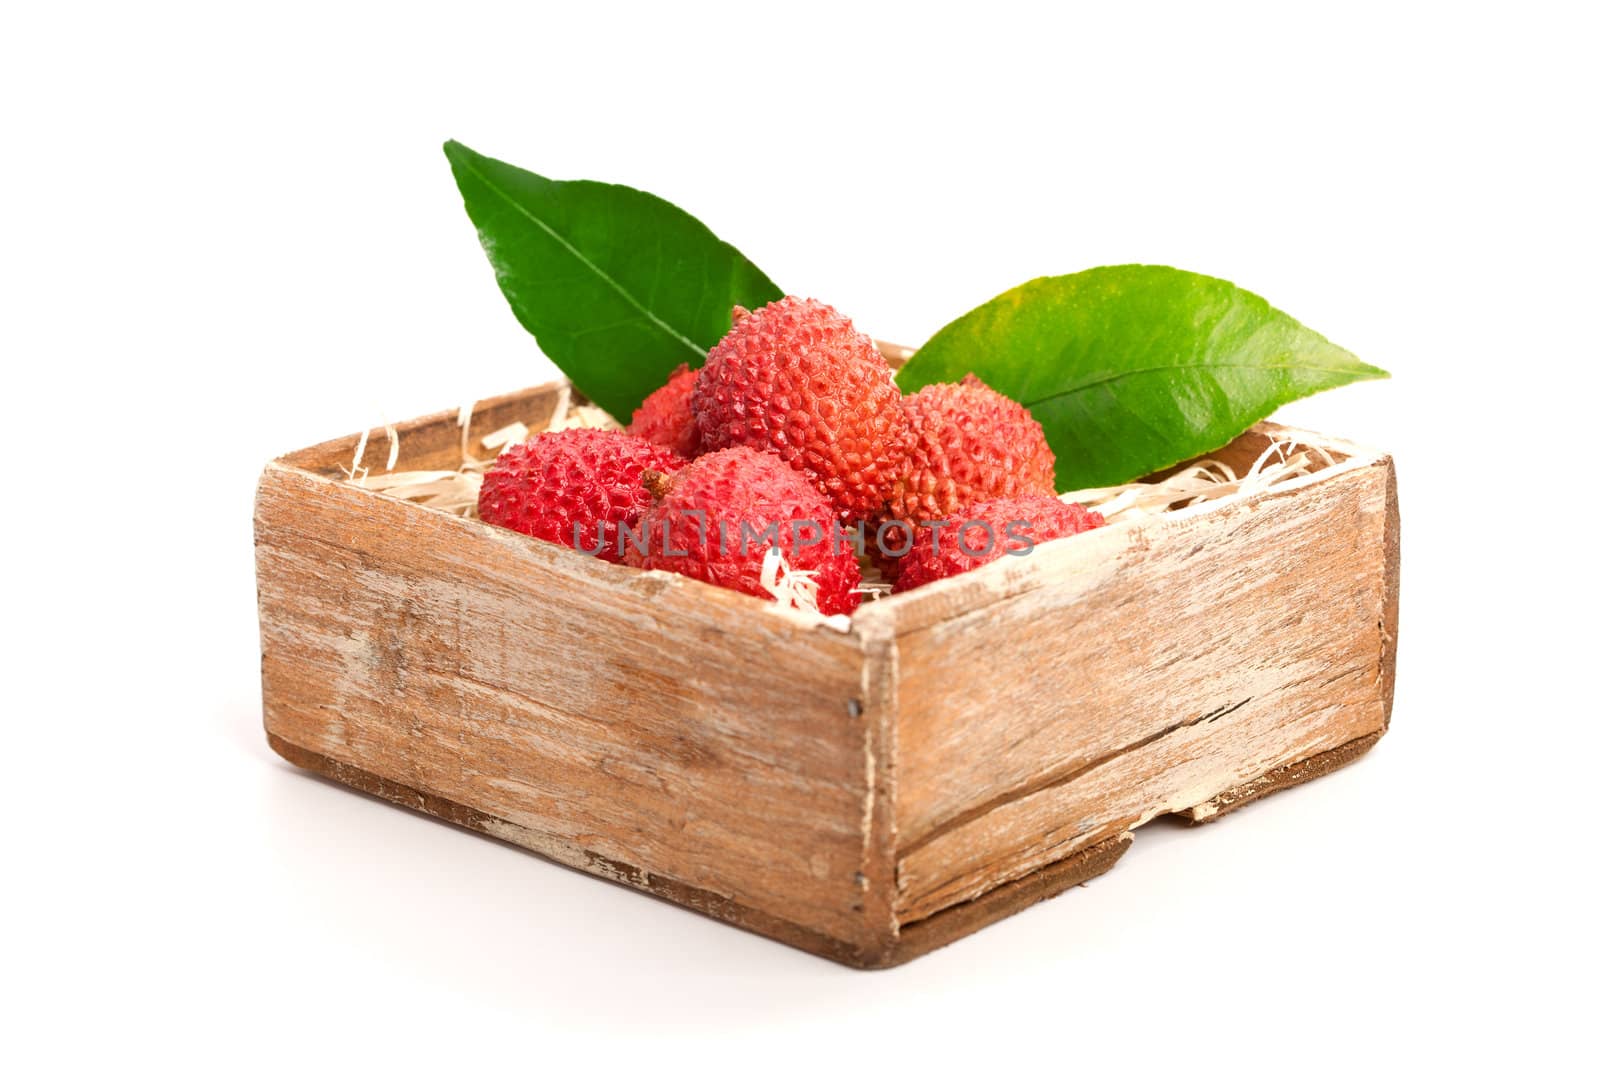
963	751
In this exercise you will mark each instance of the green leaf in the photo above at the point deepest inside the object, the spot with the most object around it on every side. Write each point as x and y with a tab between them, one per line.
618	286
1132	369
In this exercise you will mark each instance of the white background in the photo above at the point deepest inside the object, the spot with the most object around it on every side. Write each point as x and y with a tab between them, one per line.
229	232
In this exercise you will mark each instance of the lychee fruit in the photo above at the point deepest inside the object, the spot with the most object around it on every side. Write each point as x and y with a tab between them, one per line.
716	519
573	487
968	443
988	530
665	418
798	380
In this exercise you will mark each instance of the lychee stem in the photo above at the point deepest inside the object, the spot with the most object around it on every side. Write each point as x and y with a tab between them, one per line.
656	483
740	314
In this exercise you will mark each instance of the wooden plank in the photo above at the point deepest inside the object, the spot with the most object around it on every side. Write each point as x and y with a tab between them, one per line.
656	722
1134	671
589	862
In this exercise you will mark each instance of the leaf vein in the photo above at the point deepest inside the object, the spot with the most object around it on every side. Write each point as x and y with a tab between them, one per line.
1107	379
621	291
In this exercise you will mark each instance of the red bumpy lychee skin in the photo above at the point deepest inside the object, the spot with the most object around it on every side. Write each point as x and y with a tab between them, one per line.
968	444
985	531
665	417
573	487
798	380
698	527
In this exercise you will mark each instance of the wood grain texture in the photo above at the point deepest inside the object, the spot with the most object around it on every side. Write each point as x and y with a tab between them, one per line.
1146	668
965	750
589	862
660	724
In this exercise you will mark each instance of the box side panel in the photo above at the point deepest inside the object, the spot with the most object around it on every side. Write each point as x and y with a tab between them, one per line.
680	730
1134	671
434	442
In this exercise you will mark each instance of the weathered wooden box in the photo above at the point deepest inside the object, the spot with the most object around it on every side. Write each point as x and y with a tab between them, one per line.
963	751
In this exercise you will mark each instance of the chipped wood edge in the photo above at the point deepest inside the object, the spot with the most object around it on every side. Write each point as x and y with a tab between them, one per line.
957	921
1278	779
